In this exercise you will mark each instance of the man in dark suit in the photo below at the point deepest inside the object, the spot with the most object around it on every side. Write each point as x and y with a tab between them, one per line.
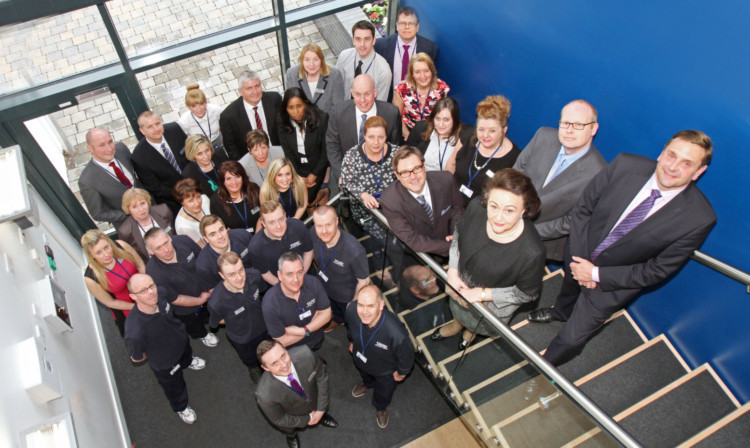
398	49
106	177
346	123
254	109
637	223
560	163
423	207
293	391
159	158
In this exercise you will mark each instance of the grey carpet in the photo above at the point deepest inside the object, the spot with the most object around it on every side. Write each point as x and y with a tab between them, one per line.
735	434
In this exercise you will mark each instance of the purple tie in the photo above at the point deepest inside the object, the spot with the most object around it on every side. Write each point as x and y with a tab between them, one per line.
405	62
630	222
296	386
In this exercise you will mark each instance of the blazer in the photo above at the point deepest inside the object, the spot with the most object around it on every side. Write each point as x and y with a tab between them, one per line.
329	91
560	195
409	220
343	134
315	147
284	407
156	173
131	234
102	192
649	253
235	124
386	47
465	133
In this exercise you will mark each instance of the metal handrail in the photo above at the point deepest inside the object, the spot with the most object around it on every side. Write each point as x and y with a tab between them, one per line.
724	268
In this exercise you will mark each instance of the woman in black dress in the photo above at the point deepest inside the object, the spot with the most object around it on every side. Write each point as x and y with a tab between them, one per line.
237	202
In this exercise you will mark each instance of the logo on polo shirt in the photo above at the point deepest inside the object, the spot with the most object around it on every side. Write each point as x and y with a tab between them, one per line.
255	296
381	345
295	244
166	308
310	303
339	263
190	257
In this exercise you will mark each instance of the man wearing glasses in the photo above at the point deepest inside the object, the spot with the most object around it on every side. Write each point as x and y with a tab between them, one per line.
561	163
422	208
398	49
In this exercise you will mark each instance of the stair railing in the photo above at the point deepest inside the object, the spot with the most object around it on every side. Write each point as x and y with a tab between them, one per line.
724	268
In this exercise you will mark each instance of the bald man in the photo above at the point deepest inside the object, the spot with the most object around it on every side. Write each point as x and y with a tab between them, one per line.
560	163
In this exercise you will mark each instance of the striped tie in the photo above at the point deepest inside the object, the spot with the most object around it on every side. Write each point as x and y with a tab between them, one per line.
630	222
170	158
426	207
362	128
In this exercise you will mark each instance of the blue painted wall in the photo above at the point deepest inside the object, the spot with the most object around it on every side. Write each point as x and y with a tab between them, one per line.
651	69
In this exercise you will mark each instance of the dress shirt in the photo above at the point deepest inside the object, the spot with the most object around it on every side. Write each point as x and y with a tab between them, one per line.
157	147
426	192
251	116
569	160
398	54
284	378
434	151
300	138
208	125
373	65
370	113
111	170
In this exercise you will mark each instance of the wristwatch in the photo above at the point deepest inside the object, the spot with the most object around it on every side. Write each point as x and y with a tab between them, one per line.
484	294
307	332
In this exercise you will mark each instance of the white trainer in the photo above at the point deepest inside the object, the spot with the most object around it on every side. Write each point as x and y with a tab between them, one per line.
188	414
197	363
210	340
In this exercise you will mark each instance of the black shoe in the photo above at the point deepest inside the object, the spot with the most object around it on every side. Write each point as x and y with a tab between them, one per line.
436	336
463	344
293	441
254	374
541	316
328	421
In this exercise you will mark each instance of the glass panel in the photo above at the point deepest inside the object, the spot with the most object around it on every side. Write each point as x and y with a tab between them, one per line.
48	49
215	71
62	135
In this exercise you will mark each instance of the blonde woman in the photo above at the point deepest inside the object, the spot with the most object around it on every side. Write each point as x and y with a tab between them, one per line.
142	216
283	184
322	84
205	162
201	118
111	264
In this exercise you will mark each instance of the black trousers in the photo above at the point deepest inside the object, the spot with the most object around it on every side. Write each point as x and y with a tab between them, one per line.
173	383
338	311
248	350
195	323
383	388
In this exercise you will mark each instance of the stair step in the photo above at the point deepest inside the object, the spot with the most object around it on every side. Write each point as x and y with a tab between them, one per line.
426	317
635	376
729	432
600	440
551	284
435	352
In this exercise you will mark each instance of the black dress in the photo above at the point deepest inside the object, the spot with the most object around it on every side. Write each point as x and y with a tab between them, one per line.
209	181
241	215
468	174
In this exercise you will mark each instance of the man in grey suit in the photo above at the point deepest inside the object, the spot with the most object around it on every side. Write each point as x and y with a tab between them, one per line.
560	163
106	177
637	222
346	123
293	391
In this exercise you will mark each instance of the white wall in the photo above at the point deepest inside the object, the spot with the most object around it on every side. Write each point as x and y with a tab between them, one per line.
78	357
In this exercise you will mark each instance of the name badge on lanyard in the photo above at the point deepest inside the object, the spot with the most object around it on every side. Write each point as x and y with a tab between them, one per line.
303	160
489	173
239	310
323	276
466	191
361	357
305	315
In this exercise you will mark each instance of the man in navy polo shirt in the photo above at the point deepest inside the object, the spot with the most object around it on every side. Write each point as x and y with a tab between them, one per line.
279	235
219	241
172	266
380	347
152	332
235	302
297	308
341	260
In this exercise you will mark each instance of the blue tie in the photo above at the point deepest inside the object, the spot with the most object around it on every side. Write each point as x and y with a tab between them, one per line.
421	199
362	128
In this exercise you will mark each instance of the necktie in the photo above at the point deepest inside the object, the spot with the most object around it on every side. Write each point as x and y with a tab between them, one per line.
170	158
120	175
630	222
362	128
296	386
258	123
426	207
405	62
358	70
558	170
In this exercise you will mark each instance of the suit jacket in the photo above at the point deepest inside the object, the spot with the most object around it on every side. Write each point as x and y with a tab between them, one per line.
386	47
409	220
156	173
235	124
284	407
343	134
652	251
332	87
102	192
315	147
131	234
560	195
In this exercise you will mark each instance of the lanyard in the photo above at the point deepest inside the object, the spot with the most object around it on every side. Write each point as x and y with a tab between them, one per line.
288	209
362	339
262	177
187	213
368	67
471	178
244	205
325	263
143	231
377	181
211	182
123	268
201	127
441	155
420	108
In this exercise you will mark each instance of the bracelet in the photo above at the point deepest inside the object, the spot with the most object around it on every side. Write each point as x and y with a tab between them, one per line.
484	294
307	331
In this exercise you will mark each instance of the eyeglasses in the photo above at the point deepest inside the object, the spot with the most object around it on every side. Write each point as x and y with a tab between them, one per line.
407	24
576	126
426	283
145	290
407	173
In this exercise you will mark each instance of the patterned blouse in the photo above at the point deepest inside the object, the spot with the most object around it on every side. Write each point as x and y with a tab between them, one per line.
413	111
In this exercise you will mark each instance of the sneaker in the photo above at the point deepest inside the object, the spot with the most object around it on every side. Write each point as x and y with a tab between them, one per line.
197	363
210	340
359	390
188	414
382	418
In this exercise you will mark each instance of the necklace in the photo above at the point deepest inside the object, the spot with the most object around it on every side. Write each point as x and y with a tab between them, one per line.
508	237
476	166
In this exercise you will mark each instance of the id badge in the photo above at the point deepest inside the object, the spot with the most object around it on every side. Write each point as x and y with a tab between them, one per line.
239	310
177	367
303	160
377	195
361	357
255	210
466	191
305	315
323	276
489	173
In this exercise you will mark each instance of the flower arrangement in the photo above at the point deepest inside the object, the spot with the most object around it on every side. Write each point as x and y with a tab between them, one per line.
377	12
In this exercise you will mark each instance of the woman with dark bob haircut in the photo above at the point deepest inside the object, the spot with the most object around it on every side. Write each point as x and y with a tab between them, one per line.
496	255
302	135
237	201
